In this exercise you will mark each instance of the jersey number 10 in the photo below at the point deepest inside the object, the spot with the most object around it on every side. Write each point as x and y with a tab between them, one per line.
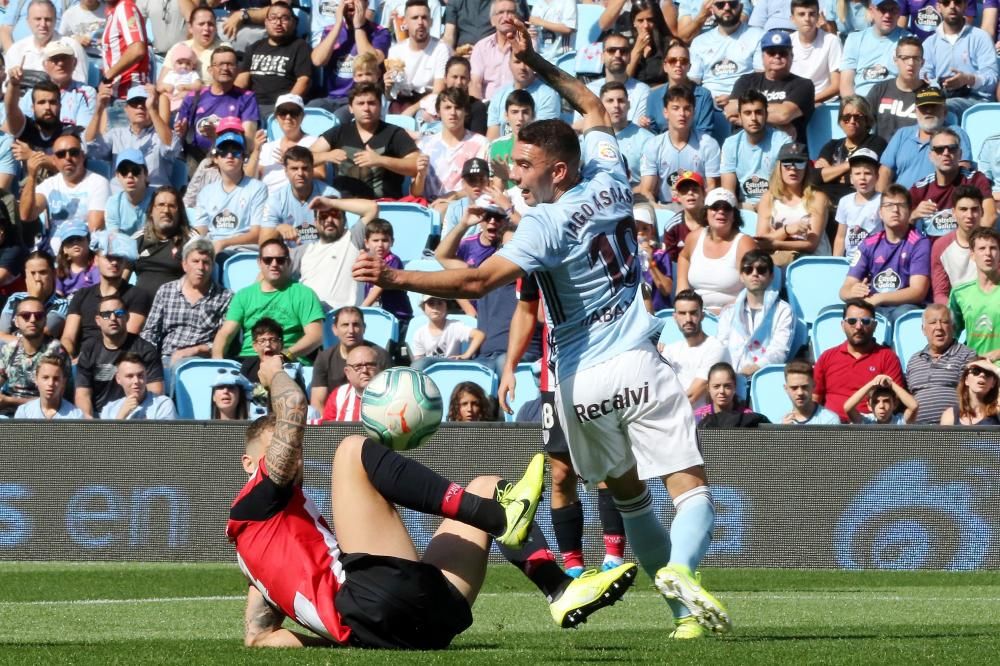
617	254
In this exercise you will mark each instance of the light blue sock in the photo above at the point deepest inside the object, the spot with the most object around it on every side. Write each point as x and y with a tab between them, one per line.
645	532
691	531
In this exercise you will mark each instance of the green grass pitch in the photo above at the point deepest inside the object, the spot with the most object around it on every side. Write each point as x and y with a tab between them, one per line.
54	613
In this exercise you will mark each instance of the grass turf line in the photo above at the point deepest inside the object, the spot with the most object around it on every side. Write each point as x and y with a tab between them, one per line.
792	617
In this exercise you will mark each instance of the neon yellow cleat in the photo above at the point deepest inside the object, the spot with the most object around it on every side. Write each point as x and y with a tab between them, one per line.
520	501
688	628
591	592
675	581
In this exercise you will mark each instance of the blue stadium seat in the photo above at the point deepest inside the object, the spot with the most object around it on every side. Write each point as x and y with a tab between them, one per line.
192	393
400	120
978	124
767	393
381	327
908	335
670	333
93	72
663	216
822	127
748	219
814	283
102	168
240	270
420	320
827	331
179	175
588	58
525	391
307	376
315	122
412	225
449	374
426	264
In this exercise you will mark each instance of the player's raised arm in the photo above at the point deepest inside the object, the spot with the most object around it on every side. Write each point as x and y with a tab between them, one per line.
289	404
569	88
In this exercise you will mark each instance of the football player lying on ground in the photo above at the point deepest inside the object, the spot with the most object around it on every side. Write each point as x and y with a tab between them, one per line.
368	587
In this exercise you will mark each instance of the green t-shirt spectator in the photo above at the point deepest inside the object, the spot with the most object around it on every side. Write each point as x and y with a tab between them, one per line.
978	314
501	150
293	307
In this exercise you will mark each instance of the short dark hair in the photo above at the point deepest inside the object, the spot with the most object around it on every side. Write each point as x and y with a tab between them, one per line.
415	3
224	48
46	85
274	241
267	325
457	60
200	8
129	357
752	96
910	40
979	233
457	96
798	367
379	226
364	89
520	98
28	299
690	295
346	309
725	367
41	254
281	3
298	154
109	298
557	140
967	192
898	190
678	92
615	35
858	303
757	257
259	426
804	3
613	85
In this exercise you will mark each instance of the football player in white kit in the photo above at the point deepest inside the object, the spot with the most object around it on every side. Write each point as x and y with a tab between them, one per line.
625	413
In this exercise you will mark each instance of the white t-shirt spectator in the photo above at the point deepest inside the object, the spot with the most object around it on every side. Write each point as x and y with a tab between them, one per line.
79	22
72	203
447	343
691	363
862	221
815	61
272	171
421	67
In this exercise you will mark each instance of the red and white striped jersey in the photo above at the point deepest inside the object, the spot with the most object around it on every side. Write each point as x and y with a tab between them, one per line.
343	404
125	27
528	291
287	551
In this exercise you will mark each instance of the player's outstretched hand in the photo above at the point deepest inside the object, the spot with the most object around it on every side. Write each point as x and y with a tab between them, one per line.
368	268
521	44
269	367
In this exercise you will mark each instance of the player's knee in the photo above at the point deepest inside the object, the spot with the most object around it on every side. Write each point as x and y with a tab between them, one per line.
563	476
349	449
484	486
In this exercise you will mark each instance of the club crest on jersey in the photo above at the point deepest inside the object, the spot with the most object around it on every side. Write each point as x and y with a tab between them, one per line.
606	152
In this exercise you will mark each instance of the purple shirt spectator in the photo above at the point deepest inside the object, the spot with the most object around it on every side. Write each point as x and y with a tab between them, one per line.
74	282
662	260
340	68
473	252
888	266
923	16
394	300
212	108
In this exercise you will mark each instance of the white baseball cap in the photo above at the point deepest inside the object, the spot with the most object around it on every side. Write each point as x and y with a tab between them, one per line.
720	194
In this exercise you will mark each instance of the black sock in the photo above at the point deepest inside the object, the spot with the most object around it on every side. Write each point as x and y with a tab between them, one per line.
406	482
567	522
538	563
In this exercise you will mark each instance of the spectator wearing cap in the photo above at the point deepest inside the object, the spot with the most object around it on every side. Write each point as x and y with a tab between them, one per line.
74	194
229	396
951	254
632	139
892	270
720	56
749	156
95	366
28	52
76	267
490	216
50	382
856	120
656	270
519	110
187	312
160	240
907	157
115	253
893	100
267	157
126	209
138	403
710	261
680	148
277	64
348	38
475	180
547	102
934	196
690	194
868	54
178	80
202	110
960	58
231	209
791	99
77	100
439	167
858	211
287	213
40	283
791	215
146	132
19	359
329	369
424	58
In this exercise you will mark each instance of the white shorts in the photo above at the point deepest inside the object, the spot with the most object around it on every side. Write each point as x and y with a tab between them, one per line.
628	411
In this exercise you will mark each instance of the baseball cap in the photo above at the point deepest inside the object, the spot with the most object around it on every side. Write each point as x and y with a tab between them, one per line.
486	204
775	39
136	92
863	155
57	47
426	297
132	155
720	194
689	177
793	152
642	214
230	137
476	166
71	230
930	95
882	4
289	99
114	244
229	124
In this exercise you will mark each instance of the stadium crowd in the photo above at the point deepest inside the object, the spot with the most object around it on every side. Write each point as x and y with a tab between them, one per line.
151	151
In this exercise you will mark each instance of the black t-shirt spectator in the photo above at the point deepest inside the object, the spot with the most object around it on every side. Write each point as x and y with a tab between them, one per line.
159	262
795	89
274	69
369	183
328	369
33	135
12	253
835	152
894	109
86	303
475	119
95	368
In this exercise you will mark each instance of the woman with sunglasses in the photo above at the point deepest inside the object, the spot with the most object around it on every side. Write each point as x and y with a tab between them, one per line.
229	396
978	389
857	121
676	66
791	215
710	260
265	161
650	47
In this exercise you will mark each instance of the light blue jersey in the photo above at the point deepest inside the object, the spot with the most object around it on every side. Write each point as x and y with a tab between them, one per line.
872	57
988	160
227	214
548	105
855	18
122	215
771	15
752	164
638	96
33	410
7	164
661	158
582	249
718	60
691	9
283	207
632	139
909	157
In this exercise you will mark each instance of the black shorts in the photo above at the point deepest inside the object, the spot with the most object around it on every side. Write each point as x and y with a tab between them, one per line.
553	437
399	604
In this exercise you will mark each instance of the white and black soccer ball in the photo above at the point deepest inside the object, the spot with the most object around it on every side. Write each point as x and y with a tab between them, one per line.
401	408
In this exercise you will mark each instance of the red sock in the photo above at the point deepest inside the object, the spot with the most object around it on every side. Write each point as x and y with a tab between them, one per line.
572	558
614	545
537	558
452	500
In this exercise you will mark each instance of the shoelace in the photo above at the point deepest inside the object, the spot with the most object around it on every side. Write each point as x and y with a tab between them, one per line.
504	492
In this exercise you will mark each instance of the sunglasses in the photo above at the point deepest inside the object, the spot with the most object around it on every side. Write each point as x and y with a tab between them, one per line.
134	171
945	3
778	53
229	152
617	49
721	205
358	367
865	321
976	371
852	118
949	148
726	3
137	103
31	315
288	113
798	165
678	61
281	261
756	268
68	152
120	313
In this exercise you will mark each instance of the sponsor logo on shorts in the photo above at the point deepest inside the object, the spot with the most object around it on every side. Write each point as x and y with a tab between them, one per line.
625	398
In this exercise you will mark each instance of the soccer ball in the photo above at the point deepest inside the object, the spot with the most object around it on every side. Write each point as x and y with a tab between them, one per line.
401	408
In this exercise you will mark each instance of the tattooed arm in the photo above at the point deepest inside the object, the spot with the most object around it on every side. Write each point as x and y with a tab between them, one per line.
569	88
289	404
262	624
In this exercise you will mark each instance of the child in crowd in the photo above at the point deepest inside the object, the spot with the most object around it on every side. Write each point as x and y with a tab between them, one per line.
75	267
858	212
378	242
442	338
177	81
884	398
657	273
